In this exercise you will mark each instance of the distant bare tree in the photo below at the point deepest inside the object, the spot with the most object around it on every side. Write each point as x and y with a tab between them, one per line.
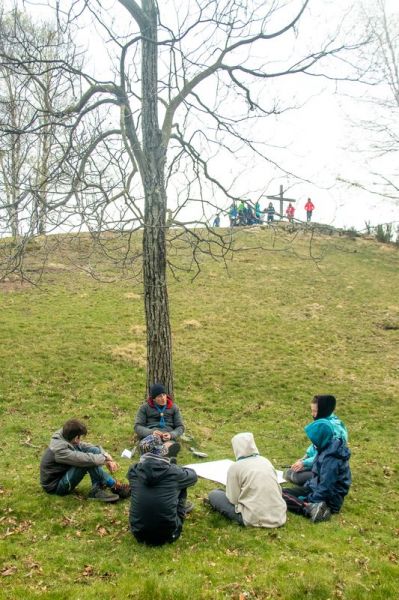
186	84
31	91
381	100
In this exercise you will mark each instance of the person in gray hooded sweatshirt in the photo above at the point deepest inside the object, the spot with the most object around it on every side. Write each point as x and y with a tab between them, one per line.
253	496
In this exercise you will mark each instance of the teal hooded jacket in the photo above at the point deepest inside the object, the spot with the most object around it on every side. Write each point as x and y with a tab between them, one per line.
331	476
339	433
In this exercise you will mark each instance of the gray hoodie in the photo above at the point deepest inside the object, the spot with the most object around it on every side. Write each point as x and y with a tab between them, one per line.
61	455
252	485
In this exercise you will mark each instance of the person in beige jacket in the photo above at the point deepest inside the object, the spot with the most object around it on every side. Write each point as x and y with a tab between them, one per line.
253	496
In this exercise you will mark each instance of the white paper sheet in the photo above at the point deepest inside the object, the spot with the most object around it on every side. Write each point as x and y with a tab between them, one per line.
216	470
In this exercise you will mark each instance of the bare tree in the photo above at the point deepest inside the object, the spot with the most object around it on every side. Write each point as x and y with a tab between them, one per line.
188	84
380	101
30	91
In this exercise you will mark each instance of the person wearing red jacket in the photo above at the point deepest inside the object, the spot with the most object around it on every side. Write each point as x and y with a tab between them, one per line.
159	415
309	207
290	212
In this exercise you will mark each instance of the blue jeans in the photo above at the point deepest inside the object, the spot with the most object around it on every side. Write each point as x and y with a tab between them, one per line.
74	475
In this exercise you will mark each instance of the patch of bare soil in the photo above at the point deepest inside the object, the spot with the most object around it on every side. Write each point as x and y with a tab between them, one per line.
9	285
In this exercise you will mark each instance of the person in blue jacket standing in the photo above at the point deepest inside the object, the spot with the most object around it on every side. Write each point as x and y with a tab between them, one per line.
324	493
322	407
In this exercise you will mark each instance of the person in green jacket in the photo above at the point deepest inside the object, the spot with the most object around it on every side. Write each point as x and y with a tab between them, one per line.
322	407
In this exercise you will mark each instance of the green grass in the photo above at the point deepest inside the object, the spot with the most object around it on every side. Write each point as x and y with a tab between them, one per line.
251	347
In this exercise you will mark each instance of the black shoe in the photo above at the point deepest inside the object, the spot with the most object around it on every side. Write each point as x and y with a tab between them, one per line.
103	495
318	511
173	449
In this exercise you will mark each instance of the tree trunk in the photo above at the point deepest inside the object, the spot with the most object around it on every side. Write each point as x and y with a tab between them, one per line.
159	339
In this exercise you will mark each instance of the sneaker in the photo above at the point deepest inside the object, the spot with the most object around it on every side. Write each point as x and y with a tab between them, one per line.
318	511
173	449
103	495
189	506
123	490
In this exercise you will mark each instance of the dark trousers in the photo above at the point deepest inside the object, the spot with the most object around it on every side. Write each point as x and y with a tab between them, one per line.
290	496
297	477
219	501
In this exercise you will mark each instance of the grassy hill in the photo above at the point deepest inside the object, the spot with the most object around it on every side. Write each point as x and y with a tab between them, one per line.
252	345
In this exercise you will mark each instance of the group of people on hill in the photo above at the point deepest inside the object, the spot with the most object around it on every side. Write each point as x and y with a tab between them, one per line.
247	214
157	485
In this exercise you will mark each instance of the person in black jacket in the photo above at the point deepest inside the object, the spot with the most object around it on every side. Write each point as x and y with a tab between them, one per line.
159	492
160	416
324	493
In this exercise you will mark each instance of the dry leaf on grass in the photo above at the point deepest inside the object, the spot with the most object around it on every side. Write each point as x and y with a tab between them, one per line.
7	571
102	531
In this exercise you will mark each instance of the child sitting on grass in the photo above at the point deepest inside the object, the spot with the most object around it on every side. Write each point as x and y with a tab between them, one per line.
68	459
324	493
322	407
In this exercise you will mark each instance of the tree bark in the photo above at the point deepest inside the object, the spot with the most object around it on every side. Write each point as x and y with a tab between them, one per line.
159	339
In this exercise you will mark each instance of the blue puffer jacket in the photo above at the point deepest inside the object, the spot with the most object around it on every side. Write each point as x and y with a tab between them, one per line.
331	473
340	433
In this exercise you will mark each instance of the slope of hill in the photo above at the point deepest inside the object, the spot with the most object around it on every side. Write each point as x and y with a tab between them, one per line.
289	318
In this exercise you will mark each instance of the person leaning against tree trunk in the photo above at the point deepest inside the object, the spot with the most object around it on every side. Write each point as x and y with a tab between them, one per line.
161	416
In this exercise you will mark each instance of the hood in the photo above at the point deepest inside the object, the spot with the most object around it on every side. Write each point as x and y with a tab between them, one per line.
338	449
320	433
151	469
169	402
325	406
57	435
244	445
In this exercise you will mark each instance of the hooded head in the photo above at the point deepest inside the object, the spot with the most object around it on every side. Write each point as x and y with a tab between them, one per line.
320	433
325	406
244	445
153	444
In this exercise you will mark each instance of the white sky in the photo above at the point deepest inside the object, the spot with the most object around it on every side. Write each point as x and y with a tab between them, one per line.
318	144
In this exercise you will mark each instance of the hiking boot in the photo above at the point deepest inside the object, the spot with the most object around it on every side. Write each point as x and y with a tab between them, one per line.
173	449
102	494
318	511
123	490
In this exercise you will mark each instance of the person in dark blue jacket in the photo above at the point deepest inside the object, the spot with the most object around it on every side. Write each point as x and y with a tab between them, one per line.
324	493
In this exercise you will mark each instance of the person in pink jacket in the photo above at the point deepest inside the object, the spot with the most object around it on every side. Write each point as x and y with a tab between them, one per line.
290	212
309	207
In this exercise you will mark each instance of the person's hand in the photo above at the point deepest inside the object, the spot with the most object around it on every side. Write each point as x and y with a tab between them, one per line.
111	465
297	466
166	437
158	433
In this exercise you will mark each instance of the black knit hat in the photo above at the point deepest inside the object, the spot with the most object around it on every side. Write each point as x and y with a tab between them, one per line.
325	405
156	389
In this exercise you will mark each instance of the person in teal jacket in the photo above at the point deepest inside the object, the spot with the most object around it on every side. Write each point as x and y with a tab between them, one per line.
322	407
323	494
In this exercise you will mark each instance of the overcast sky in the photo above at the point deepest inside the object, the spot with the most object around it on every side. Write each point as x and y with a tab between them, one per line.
317	142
